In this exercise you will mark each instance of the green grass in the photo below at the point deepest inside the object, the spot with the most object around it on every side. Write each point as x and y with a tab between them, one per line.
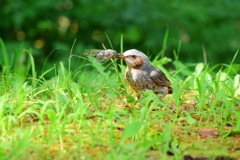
91	113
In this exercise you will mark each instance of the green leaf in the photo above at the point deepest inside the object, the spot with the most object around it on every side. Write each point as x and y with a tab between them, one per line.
131	130
190	119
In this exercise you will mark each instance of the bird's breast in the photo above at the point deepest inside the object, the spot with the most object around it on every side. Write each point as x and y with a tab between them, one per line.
138	79
135	75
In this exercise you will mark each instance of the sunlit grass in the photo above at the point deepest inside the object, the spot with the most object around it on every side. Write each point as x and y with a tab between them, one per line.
91	113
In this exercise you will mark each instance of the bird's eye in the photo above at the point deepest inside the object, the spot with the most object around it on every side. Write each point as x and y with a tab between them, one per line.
133	56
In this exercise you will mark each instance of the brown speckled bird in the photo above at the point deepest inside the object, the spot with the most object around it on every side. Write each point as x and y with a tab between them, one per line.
142	75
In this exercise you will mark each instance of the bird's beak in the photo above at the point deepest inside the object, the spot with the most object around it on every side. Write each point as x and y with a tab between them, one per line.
121	56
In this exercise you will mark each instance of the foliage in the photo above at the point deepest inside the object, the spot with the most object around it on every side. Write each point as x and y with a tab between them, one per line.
50	28
90	113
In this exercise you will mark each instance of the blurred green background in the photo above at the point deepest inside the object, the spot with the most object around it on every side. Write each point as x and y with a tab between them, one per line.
46	27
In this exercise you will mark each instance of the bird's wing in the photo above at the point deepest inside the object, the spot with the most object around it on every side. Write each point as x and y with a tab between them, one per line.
159	78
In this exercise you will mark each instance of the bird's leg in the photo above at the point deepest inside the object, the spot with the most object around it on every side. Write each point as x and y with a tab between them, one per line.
138	96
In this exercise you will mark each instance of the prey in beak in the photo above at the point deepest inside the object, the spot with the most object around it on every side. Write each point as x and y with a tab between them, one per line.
119	55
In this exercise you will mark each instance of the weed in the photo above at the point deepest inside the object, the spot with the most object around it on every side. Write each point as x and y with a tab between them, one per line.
91	113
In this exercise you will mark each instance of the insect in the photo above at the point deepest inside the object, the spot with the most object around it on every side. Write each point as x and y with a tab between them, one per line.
100	54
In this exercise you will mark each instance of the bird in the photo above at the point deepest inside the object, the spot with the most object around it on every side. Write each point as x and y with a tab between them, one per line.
142	75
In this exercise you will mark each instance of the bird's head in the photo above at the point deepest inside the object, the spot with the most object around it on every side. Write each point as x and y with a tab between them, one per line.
134	58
